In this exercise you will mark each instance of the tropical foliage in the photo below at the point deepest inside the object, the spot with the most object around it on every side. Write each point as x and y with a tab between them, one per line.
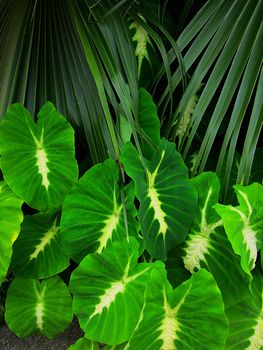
120	235
131	172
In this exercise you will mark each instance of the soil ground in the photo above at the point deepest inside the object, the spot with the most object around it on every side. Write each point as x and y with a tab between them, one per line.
9	341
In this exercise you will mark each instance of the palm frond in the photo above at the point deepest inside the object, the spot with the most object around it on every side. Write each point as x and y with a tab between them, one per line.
221	49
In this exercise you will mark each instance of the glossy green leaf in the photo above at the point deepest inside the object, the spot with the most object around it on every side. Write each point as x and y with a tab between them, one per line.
149	124
39	251
93	213
183	318
246	318
167	198
38	159
244	223
34	307
207	244
11	217
108	292
84	344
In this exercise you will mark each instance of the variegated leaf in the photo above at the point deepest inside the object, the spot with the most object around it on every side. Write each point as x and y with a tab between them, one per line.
38	159
244	223
108	292
167	198
93	213
207	244
39	250
183	318
34	307
246	318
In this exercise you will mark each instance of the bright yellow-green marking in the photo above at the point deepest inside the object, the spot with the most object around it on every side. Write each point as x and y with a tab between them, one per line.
249	237
168	328
155	202
42	159
198	242
39	314
170	325
111	224
115	288
45	240
39	310
256	341
108	297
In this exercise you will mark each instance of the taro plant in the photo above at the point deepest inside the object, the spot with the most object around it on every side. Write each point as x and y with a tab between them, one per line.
143	256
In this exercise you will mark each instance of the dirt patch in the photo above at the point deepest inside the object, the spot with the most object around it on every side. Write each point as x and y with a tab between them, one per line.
9	341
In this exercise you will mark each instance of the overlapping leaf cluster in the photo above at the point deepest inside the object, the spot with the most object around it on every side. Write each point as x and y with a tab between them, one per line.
160	263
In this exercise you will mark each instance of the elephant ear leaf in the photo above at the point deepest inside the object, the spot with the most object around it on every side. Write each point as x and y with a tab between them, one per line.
207	244
93	212
246	317
39	250
34	307
108	292
11	217
183	318
167	197
38	159
244	223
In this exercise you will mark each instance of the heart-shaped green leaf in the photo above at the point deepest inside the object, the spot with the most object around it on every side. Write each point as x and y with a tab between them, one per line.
39	250
207	244
34	307
246	318
108	292
93	213
167	198
11	217
183	318
244	223
38	160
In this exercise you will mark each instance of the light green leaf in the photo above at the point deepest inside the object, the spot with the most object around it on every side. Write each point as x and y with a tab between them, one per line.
125	129
38	160
39	250
34	307
11	217
244	223
207	245
92	215
143	39
246	318
149	124
167	197
84	344
108	292
183	318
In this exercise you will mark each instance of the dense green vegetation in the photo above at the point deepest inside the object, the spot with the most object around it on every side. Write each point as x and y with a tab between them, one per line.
131	188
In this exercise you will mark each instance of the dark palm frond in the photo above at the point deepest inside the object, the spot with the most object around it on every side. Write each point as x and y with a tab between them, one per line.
222	50
43	59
